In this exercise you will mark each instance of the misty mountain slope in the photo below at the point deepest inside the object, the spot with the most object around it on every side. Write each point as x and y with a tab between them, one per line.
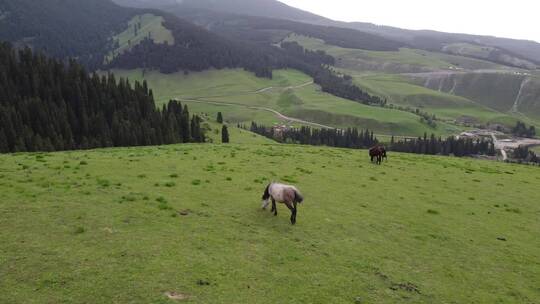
90	30
525	49
79	29
261	8
504	92
450	86
266	29
506	51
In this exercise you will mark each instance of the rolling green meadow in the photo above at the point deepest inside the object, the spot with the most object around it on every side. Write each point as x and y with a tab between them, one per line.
472	88
292	93
183	223
128	225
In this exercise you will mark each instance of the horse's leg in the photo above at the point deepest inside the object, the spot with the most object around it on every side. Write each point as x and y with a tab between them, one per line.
293	213
274	207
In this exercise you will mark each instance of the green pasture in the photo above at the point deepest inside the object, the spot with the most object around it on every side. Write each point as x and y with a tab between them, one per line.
130	225
243	98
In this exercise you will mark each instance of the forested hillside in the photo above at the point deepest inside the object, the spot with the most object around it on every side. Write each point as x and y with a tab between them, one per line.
502	50
268	30
47	106
77	29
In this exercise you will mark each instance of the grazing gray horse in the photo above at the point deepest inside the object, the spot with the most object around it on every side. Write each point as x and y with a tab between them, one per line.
285	194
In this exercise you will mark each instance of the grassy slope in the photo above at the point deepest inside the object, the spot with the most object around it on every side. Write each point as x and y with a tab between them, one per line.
308	102
151	27
411	59
86	225
366	68
401	91
236	135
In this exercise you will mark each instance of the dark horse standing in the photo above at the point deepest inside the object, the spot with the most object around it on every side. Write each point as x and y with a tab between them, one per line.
378	152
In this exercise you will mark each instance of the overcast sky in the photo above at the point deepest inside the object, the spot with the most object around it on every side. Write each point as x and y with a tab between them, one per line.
513	19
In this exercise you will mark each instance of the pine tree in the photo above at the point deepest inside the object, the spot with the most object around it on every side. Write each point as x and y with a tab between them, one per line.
56	106
224	134
219	118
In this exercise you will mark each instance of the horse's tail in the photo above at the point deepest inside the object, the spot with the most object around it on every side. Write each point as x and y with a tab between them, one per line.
298	197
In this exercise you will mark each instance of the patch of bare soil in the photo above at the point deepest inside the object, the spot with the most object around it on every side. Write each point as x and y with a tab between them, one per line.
184	212
410	287
176	296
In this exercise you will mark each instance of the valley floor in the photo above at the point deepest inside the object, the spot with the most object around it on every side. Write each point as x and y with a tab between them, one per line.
129	225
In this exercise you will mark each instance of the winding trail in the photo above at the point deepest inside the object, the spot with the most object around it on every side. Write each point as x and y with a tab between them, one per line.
282	88
278	114
275	112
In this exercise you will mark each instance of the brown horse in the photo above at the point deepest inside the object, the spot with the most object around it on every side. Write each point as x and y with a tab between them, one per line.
285	194
378	152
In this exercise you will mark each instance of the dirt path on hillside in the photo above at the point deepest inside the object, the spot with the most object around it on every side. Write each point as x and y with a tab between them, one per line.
278	114
284	88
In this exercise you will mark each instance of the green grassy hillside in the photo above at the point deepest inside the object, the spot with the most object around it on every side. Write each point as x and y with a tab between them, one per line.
401	90
403	61
487	53
129	225
452	87
236	92
504	92
140	27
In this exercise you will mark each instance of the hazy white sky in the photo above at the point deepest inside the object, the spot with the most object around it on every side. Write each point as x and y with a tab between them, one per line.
513	19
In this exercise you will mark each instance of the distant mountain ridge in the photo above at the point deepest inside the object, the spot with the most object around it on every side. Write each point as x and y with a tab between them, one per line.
506	51
260	8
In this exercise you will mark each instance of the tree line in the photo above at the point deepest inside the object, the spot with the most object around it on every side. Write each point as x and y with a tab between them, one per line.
269	30
362	139
349	138
522	154
196	49
46	105
433	145
522	130
318	65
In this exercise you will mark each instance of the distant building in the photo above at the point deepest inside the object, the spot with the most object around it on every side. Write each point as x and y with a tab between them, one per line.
278	130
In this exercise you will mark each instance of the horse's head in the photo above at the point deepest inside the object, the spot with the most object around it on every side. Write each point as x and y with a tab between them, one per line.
383	151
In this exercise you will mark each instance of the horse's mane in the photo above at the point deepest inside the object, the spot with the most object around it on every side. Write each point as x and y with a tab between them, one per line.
266	193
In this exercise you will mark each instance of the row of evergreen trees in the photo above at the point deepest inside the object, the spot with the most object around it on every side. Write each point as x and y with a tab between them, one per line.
522	130
349	138
522	154
318	65
196	50
437	146
362	139
46	105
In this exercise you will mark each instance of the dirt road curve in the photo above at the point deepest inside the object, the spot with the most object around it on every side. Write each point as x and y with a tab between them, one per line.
278	114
